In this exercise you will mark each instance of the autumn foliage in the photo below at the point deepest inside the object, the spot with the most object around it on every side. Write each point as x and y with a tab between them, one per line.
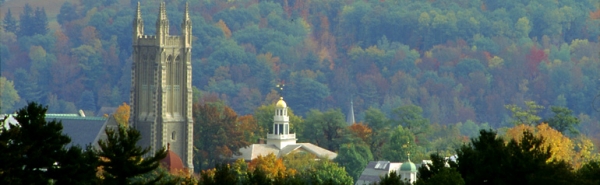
361	131
122	114
576	151
271	165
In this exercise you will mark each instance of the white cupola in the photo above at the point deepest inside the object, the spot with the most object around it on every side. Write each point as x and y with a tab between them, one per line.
281	137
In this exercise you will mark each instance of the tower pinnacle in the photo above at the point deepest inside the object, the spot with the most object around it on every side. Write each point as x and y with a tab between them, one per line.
162	14
138	24
186	15
162	23
138	15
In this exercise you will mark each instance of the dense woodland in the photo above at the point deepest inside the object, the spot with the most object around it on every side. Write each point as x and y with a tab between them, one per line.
524	155
424	76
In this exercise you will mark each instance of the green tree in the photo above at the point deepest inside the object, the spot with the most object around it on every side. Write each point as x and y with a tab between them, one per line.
488	159
528	116
563	120
87	101
438	173
401	144
589	172
449	176
26	22
326	172
27	86
34	152
469	128
381	131
354	158
9	22
79	166
8	94
411	117
393	178
326	129
305	93
68	12
40	21
523	27
122	159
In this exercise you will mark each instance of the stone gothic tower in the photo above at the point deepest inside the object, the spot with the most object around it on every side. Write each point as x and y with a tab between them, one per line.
161	89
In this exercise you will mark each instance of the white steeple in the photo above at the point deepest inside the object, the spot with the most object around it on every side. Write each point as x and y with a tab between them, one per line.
350	119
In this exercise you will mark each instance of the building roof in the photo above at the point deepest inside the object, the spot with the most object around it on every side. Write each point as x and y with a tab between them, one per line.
281	103
82	130
172	162
10	120
408	167
253	151
375	170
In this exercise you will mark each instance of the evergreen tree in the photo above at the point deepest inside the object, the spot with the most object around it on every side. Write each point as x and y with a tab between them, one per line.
26	23
33	152
589	173
87	101
122	159
40	21
78	167
392	179
9	23
68	12
438	173
488	159
27	86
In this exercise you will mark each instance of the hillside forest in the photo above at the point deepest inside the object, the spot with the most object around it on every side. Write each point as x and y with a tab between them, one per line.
458	60
423	76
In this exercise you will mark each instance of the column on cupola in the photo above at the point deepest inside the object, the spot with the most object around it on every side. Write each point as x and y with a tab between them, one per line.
281	124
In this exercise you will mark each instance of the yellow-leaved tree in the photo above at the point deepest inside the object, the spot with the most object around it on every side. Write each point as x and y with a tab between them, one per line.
122	114
575	151
271	165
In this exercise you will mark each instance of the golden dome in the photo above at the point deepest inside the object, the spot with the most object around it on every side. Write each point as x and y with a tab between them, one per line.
281	103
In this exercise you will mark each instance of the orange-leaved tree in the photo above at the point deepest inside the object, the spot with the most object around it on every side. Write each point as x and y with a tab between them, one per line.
362	131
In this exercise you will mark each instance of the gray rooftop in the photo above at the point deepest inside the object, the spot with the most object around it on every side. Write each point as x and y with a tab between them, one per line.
82	130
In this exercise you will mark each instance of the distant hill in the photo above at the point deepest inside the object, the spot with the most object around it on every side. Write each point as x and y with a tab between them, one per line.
52	8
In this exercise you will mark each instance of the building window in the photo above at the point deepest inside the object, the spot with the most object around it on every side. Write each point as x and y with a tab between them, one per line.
173	136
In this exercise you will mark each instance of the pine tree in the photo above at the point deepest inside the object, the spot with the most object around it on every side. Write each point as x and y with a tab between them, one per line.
26	23
9	23
68	12
33	152
122	159
87	101
40	23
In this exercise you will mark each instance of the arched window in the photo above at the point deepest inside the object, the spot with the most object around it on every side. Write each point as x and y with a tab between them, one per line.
173	136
